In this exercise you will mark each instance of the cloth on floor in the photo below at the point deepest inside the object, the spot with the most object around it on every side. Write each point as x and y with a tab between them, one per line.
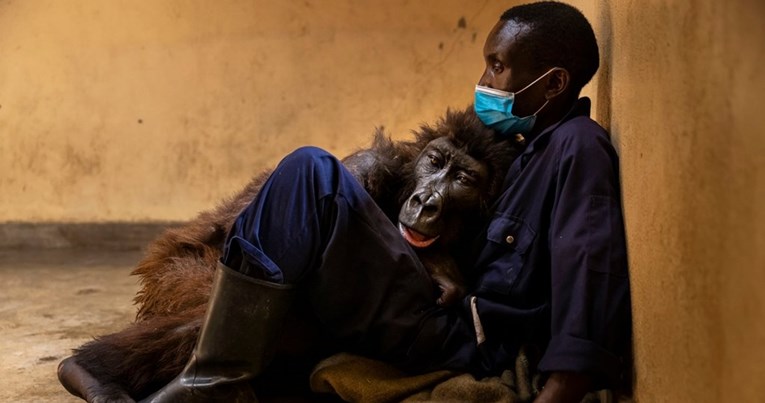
359	379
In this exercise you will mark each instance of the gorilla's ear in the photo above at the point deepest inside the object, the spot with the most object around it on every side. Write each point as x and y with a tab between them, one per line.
557	82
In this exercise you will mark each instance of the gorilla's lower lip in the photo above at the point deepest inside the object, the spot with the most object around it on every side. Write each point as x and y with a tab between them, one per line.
415	238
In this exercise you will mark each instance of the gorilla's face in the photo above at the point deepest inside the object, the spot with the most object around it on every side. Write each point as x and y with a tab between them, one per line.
450	186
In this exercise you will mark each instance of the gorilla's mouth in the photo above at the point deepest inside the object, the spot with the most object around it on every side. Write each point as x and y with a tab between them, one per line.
415	238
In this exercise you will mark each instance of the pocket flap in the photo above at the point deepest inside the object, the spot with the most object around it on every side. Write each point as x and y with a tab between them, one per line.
512	232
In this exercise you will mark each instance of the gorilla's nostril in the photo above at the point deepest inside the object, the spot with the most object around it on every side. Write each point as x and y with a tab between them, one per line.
432	204
429	208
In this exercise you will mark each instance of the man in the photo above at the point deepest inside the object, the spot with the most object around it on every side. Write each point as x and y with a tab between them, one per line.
551	265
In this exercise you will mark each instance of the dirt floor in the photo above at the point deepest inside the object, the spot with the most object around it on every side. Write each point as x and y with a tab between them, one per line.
53	301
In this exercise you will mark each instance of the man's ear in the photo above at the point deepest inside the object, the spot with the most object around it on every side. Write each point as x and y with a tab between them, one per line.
557	82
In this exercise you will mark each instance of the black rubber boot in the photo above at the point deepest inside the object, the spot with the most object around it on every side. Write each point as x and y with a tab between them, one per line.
236	341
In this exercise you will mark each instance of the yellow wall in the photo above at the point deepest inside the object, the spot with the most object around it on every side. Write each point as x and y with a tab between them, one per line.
155	109
223	89
681	90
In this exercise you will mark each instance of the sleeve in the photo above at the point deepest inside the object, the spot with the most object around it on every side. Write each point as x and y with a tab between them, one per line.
590	291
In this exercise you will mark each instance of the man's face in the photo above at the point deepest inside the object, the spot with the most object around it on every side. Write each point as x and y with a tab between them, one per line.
508	69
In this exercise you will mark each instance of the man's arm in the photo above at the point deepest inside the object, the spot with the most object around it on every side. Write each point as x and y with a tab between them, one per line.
589	283
564	387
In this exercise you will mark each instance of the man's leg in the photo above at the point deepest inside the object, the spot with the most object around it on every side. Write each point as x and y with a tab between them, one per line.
314	228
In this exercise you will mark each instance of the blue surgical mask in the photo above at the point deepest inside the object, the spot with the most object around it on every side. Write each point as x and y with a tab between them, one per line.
495	109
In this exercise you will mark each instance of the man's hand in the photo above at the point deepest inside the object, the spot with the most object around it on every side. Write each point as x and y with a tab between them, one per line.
565	387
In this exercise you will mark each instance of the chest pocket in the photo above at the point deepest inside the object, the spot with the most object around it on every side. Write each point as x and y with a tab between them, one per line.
509	239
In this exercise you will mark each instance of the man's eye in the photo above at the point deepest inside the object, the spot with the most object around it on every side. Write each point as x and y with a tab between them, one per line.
497	67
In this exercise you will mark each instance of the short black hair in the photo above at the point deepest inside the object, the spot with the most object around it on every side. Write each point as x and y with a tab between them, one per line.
559	36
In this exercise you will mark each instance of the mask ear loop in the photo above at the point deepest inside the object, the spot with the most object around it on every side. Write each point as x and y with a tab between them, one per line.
541	107
534	82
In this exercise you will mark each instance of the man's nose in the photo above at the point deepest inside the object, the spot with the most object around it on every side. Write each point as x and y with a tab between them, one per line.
484	80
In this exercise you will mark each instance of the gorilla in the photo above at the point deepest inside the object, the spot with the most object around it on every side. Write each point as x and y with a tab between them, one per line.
437	187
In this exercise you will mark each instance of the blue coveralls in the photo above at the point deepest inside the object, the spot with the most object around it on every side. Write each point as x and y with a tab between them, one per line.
550	268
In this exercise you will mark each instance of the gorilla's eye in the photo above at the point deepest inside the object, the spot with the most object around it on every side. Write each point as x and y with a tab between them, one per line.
464	179
434	160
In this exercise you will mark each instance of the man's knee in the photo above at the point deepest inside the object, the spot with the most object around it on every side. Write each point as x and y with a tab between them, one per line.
308	156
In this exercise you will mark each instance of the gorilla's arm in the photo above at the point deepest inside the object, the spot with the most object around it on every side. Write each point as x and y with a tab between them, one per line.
445	273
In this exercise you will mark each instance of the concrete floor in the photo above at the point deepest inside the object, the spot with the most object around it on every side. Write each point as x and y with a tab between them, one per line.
52	301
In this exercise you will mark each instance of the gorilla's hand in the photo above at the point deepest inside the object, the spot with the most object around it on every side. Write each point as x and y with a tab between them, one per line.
445	274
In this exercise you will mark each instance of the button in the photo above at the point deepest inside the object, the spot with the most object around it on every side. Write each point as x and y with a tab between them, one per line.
520	139
509	239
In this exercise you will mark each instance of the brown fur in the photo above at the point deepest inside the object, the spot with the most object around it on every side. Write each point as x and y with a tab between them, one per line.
177	271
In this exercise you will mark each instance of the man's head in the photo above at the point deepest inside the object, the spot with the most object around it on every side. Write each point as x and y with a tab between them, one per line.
529	41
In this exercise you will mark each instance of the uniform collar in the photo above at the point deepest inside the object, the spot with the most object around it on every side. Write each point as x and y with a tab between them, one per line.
581	107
